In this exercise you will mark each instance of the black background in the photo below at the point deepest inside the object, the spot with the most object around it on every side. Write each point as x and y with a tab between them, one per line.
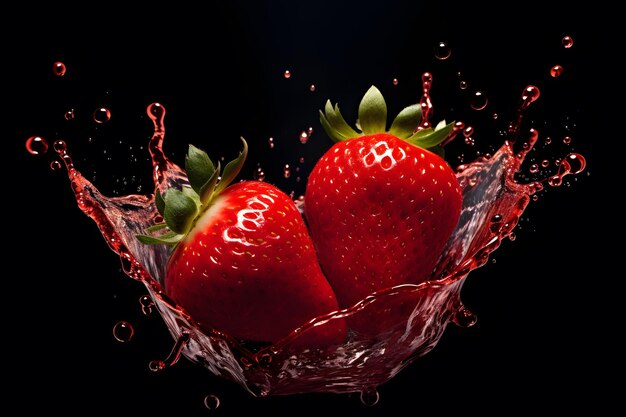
548	310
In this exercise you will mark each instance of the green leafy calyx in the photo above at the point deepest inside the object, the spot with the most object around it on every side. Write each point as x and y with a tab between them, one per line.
182	208
373	119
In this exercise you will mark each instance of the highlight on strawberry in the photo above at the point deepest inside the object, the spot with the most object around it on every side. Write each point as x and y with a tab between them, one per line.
380	205
243	262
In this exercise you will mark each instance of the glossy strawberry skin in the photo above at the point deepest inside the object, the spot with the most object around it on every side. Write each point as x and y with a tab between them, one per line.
380	211
248	267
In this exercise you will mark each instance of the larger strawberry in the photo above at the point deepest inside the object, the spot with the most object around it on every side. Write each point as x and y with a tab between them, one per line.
243	261
380	205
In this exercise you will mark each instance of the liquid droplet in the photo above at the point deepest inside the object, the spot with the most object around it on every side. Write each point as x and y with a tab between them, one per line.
529	95
534	168
59	145
572	164
70	114
287	74
556	71
567	140
394	81
36	145
286	171
174	356
370	396
147	304
304	137
123	331
463	85
55	165
442	51
102	115
59	69
478	101
495	116
567	42
312	87
270	143
211	402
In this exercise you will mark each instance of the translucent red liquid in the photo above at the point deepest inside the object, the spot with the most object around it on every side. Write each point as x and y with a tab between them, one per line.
493	204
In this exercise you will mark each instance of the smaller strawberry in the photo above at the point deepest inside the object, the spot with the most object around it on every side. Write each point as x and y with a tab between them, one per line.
243	261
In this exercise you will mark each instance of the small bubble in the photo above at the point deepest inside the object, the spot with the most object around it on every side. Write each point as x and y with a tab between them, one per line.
370	396
442	51
70	114
304	137
545	163
512	236
567	42
496	218
567	140
156	365
463	85
494	116
59	146
146	304
535	197
286	171
55	165
36	145
123	331
530	94
270	143
102	115
556	71
534	168
211	402
478	101
312	87
59	69
287	74
301	160
394	81
548	140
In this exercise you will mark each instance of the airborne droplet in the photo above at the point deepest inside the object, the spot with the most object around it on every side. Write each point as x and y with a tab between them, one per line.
286	171
211	402
567	42
478	101
394	81
55	165
442	51
370	396
36	145
70	114
287	74
312	87
59	69
304	137
530	94
556	71
102	115
270	143
123	331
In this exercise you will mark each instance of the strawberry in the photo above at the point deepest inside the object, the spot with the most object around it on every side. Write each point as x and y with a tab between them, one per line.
380	205
243	262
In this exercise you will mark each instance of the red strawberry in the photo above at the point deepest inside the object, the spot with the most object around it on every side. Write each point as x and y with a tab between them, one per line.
243	261
380	206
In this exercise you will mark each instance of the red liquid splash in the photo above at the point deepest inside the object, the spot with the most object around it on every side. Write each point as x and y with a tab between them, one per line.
493	202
